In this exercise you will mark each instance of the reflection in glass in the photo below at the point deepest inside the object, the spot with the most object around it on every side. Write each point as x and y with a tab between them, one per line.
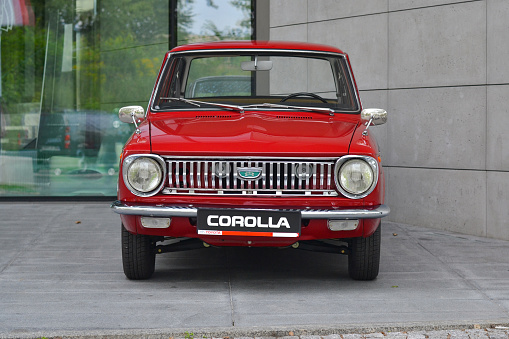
213	20
67	66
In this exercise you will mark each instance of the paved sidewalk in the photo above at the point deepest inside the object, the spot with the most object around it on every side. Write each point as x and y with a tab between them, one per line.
61	274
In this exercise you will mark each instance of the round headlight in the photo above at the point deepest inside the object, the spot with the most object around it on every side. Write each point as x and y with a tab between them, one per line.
357	177
144	174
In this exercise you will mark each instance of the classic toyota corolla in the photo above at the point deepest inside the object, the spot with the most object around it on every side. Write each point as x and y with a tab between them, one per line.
252	144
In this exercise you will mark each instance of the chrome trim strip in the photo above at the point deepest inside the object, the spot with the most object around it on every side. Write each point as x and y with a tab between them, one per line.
379	212
248	49
248	158
184	174
321	176
245	191
177	174
198	176
190	212
268	50
206	173
170	174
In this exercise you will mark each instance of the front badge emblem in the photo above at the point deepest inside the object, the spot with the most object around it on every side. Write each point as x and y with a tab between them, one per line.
249	173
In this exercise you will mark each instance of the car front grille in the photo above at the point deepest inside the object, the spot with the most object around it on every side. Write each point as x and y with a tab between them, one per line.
257	176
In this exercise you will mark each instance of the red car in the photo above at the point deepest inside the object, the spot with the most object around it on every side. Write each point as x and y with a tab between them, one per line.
252	144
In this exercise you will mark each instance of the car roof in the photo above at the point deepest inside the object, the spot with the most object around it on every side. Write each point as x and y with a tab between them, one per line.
247	44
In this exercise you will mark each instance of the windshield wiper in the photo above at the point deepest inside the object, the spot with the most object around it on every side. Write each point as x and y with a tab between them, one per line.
241	109
328	111
197	103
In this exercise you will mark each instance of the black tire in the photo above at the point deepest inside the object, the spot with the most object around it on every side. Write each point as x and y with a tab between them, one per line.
364	257
138	255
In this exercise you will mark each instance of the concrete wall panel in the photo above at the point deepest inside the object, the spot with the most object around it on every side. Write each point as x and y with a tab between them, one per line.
497	150
438	127
450	200
364	39
398	5
439	68
288	12
498	48
438	46
498	202
290	33
336	9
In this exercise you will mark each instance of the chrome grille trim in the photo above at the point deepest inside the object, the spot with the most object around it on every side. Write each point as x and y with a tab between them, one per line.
187	175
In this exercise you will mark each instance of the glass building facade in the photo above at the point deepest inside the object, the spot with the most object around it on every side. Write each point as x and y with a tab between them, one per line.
66	68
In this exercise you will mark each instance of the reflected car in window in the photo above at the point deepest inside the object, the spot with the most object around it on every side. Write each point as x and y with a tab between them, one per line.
78	152
220	86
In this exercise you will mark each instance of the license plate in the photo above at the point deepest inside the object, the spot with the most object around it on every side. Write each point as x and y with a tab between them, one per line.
258	223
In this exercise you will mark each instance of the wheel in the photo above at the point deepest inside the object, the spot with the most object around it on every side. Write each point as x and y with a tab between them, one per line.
364	257
138	255
313	95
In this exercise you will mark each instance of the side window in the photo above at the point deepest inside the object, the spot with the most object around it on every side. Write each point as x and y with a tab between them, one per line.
171	82
346	92
175	75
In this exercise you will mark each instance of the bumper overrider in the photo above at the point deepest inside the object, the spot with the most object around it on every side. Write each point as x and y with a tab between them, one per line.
191	212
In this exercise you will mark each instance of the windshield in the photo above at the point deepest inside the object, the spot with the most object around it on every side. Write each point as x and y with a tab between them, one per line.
256	80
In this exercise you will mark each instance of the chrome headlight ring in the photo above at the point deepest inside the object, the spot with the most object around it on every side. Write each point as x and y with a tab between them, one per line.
144	174
356	176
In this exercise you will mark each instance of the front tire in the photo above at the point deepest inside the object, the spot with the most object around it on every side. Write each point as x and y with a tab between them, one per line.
138	255
364	257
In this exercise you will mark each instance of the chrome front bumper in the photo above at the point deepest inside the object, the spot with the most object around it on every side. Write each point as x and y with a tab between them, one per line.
189	212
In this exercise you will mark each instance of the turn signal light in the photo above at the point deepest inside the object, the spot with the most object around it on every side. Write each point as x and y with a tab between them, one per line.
149	222
343	225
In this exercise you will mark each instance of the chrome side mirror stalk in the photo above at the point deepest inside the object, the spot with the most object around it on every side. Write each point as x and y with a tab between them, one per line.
373	117
132	115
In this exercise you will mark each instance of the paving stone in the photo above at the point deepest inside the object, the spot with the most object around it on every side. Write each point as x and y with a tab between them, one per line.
477	333
438	334
332	336
494	333
352	336
396	335
416	335
458	334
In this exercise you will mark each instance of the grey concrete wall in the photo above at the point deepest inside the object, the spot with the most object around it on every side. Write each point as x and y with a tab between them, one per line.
440	69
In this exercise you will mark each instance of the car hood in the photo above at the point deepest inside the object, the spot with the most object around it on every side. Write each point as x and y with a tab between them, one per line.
267	134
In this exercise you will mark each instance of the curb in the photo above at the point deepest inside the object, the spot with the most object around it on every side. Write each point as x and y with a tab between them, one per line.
501	325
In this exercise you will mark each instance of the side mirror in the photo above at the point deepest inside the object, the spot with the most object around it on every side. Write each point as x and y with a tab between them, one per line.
131	114
374	116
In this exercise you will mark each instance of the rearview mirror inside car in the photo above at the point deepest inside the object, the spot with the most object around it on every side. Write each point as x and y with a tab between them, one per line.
256	65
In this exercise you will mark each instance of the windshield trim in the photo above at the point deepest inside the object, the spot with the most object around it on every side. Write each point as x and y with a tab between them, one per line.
171	55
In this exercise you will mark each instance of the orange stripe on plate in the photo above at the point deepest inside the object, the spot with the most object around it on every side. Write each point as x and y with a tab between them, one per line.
248	234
